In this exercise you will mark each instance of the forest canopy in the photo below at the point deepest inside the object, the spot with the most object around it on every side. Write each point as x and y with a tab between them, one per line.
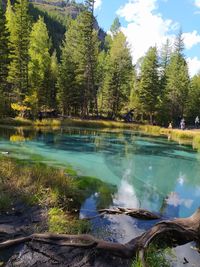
56	61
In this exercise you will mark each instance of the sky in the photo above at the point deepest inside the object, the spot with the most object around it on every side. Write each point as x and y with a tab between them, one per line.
150	22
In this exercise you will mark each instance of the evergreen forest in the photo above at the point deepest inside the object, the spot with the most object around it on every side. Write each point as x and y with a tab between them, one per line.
65	65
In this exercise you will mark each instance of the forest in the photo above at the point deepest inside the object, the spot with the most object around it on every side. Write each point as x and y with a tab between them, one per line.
59	64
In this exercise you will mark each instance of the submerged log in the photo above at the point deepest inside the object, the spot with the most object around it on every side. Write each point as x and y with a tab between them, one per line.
172	232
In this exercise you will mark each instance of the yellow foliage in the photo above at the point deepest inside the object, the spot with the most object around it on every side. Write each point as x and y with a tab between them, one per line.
17	138
19	107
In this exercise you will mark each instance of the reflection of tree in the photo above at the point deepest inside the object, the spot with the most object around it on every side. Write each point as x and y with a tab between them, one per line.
17	134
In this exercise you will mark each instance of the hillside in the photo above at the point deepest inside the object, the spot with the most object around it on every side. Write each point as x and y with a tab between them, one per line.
56	14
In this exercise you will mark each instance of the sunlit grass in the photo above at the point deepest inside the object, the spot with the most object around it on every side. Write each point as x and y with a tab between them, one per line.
37	183
61	222
154	257
60	191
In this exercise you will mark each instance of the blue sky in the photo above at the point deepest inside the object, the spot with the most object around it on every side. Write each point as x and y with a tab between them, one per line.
151	22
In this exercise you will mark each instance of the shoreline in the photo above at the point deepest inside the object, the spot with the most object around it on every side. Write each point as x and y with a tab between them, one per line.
191	137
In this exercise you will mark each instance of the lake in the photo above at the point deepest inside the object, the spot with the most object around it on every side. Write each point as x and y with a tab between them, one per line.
147	172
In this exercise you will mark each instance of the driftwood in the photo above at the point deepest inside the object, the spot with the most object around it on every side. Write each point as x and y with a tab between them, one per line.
136	213
173	232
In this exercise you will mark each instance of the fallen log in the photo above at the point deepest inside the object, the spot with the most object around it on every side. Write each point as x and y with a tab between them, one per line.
173	232
136	213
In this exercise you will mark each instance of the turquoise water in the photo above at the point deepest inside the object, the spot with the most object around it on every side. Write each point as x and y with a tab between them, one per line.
149	172
146	172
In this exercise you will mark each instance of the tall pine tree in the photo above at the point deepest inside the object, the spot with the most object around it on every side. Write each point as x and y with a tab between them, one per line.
39	65
19	28
4	53
118	77
79	60
177	82
149	90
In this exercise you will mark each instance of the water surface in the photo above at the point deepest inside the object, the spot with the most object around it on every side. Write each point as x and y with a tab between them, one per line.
146	172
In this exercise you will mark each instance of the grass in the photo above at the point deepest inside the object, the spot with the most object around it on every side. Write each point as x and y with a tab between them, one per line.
154	257
52	188
37	184
186	136
61	222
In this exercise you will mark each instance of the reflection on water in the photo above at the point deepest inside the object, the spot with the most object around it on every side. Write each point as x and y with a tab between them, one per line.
148	172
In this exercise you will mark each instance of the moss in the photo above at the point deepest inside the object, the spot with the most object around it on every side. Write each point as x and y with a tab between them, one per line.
61	222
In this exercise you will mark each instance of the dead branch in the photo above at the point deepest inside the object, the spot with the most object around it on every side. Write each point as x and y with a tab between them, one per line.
174	232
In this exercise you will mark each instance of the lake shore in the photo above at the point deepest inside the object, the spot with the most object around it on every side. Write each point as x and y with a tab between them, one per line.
191	136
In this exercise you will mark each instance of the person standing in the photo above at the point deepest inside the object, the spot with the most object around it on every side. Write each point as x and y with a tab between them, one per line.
182	124
197	122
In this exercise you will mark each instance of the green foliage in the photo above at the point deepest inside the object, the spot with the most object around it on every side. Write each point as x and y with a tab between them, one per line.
39	66
4	60
193	102
177	82
55	20
149	89
154	257
60	222
18	24
116	89
80	77
76	82
115	27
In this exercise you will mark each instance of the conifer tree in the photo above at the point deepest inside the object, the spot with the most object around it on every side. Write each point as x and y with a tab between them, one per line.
117	82
69	95
4	53
149	90
178	82
19	28
53	81
193	103
39	65
89	57
115	27
80	51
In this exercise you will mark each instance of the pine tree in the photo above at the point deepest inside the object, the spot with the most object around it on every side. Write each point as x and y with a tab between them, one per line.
53	81
19	28
40	65
10	19
149	90
115	27
117	82
70	78
178	82
90	45
193	103
164	61
4	53
79	60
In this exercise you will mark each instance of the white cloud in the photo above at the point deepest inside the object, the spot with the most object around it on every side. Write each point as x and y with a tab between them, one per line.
194	65
97	4
197	3
146	27
191	39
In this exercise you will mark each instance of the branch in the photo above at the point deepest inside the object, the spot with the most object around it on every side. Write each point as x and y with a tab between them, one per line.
175	232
